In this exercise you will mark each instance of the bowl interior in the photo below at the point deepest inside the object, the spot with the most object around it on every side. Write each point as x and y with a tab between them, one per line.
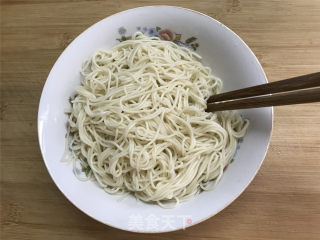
221	49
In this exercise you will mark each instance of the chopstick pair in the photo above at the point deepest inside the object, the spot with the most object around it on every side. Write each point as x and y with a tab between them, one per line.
297	90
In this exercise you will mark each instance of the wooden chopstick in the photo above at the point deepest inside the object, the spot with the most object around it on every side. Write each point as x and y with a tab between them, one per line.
287	98
301	82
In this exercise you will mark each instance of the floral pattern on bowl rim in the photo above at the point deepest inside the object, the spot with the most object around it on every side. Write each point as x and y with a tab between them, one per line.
162	33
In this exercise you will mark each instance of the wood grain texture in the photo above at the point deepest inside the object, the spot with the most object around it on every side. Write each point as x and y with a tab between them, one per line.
280	99
296	83
281	203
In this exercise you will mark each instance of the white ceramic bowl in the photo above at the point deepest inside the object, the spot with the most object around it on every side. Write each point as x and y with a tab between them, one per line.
230	59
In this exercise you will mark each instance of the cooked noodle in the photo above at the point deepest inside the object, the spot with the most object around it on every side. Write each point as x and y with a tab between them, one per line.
138	122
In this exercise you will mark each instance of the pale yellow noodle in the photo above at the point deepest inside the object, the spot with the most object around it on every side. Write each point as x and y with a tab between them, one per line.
139	122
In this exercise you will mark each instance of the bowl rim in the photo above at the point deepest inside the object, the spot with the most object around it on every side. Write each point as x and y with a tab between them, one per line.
123	12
